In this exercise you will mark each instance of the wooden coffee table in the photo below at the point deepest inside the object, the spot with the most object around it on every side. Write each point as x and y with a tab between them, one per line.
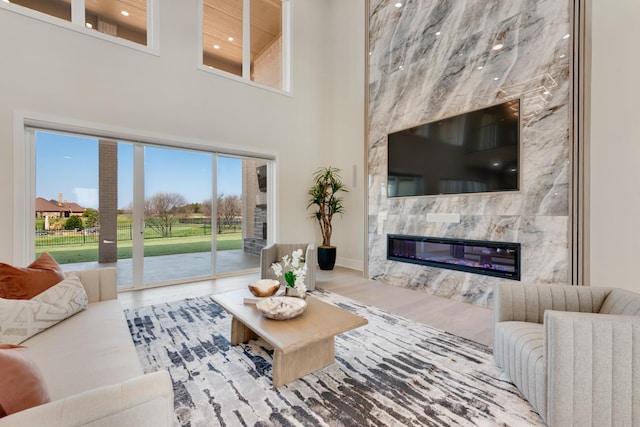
301	345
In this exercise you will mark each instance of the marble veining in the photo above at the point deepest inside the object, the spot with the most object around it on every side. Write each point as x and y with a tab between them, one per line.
430	60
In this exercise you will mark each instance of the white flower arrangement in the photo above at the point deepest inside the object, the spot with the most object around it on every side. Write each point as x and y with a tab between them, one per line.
294	271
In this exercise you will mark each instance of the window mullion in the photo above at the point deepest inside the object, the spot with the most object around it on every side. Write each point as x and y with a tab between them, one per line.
78	13
246	39
138	225
214	214
152	24
286	45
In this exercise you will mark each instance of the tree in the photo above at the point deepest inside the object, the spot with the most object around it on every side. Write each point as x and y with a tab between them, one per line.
73	223
206	208
229	209
162	210
92	217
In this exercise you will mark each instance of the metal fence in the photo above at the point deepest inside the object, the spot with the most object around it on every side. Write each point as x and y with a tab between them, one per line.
125	232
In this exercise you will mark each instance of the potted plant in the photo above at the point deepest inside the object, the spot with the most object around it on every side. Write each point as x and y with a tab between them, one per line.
325	200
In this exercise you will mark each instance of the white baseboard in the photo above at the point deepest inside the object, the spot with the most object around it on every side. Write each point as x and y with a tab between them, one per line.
354	264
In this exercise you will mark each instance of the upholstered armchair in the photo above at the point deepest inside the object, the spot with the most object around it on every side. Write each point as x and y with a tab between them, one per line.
275	252
572	351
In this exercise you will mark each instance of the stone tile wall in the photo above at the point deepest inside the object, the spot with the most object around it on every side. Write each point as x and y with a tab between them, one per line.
430	60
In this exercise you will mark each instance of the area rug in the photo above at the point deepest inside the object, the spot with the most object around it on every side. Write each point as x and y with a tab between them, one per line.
392	372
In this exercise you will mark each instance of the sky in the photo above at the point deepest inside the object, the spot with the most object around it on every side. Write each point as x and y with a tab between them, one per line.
69	165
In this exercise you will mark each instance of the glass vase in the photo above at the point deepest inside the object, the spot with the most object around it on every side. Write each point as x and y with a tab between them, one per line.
293	292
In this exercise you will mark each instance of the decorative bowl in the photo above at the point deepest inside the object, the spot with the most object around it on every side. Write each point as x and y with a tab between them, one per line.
281	308
264	287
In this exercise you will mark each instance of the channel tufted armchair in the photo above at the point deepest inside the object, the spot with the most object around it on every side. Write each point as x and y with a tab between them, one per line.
275	252
572	351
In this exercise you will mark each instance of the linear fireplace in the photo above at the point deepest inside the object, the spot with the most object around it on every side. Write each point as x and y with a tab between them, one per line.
499	259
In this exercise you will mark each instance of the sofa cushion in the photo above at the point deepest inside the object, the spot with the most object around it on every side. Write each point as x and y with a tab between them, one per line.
21	383
21	319
621	301
25	283
91	349
519	351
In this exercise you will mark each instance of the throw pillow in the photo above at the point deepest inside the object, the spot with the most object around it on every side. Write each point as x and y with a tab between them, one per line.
22	319
21	383
25	283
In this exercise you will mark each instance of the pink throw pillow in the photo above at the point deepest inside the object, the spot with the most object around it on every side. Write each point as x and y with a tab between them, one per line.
21	383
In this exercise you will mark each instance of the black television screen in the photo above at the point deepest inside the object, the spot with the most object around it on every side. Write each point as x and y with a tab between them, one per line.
474	152
261	173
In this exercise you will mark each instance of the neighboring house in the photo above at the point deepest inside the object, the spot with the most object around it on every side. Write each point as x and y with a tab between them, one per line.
52	209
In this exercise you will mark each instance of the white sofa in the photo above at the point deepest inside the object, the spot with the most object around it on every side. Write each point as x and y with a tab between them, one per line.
92	371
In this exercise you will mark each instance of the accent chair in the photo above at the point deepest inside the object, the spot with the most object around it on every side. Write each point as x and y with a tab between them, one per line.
572	351
275	252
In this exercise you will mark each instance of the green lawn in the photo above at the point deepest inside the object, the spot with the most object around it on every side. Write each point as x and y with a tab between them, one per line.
152	247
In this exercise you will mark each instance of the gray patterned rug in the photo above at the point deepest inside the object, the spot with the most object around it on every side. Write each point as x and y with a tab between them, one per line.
392	372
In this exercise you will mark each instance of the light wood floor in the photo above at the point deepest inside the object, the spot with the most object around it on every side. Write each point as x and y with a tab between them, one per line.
469	321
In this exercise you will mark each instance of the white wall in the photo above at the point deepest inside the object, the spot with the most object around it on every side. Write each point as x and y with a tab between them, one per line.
48	70
345	142
615	145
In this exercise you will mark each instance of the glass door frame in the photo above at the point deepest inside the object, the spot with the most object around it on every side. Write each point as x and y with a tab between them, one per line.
138	215
26	125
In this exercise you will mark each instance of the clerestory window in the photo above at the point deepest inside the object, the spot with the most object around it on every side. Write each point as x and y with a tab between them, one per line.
126	21
247	39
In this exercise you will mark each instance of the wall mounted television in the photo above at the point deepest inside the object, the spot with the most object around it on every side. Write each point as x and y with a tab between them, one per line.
261	173
473	152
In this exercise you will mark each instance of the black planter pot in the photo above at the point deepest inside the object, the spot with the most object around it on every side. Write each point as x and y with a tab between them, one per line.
326	257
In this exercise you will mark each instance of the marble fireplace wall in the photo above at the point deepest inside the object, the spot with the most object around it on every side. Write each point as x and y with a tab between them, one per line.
434	59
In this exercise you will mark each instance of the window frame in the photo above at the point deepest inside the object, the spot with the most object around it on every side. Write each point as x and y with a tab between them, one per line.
77	24
24	161
287	86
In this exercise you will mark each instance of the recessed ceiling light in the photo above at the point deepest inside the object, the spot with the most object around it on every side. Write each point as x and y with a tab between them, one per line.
88	25
215	46
566	36
562	56
495	78
497	46
230	39
546	92
438	33
496	164
124	13
401	67
398	4
6	1
480	67
370	53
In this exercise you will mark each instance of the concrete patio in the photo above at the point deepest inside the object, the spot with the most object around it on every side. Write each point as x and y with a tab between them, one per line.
177	268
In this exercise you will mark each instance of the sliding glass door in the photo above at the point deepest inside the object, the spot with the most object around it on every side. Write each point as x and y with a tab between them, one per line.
178	186
241	213
241	208
148	210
